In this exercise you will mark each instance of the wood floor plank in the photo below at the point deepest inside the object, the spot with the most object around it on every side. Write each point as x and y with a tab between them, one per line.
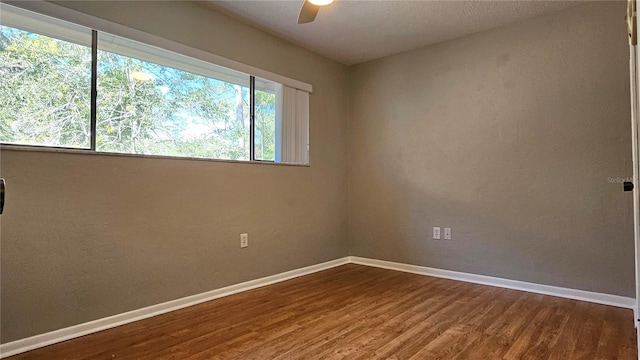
612	336
332	343
359	312
449	344
457	338
566	342
499	335
410	342
590	330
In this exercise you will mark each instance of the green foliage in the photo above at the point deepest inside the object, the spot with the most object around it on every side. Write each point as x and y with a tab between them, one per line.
43	90
142	107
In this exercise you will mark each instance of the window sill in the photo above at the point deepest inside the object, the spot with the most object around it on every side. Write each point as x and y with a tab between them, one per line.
99	153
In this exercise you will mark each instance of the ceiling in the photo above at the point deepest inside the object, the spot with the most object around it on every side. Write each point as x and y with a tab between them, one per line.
352	32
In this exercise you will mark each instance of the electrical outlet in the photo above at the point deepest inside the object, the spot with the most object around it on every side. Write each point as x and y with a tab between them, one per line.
436	233
244	240
447	233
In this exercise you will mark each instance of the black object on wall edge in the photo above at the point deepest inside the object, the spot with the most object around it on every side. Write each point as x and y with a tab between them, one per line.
1	195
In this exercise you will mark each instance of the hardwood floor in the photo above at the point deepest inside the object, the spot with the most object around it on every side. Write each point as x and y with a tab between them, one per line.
358	312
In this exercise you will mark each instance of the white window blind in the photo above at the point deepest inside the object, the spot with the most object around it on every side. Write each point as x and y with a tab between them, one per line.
293	145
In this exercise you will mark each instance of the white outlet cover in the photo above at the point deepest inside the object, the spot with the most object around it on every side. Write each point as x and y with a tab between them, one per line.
436	233
244	240
447	233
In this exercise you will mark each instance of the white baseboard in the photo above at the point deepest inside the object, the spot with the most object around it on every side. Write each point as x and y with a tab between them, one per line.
599	298
38	341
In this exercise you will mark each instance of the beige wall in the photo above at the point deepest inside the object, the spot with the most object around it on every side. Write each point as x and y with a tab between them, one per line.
88	236
507	136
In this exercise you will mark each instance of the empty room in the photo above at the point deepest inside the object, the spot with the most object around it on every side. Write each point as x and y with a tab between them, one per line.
316	179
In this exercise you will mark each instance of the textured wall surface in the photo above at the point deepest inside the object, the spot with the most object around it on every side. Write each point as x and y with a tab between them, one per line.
88	236
509	137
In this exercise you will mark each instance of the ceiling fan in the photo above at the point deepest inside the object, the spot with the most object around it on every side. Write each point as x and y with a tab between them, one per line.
310	10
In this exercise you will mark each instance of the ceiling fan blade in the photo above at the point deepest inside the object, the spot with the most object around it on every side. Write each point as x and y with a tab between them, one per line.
308	12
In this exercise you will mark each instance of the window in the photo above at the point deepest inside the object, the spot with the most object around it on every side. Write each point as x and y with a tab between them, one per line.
148	100
169	104
43	87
